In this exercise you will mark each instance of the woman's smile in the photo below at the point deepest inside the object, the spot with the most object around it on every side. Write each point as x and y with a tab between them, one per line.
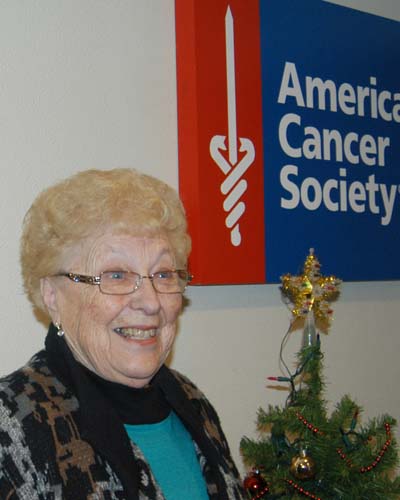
136	333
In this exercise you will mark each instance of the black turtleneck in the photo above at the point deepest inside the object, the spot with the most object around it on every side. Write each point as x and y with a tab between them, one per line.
134	406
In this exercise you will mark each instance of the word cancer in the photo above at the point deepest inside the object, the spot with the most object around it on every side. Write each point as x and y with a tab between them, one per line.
331	144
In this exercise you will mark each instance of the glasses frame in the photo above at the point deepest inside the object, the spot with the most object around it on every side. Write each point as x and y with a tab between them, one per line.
96	280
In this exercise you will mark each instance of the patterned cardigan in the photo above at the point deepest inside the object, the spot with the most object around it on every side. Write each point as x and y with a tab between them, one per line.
63	440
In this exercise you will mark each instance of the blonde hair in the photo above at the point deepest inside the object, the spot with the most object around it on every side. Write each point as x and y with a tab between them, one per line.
124	200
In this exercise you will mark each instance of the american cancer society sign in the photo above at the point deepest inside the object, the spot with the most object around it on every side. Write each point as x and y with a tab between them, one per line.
289	138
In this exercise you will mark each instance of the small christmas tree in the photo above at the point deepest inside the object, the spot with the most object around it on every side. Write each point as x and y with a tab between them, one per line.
303	452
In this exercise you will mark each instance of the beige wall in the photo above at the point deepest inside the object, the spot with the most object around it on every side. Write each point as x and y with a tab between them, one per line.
91	83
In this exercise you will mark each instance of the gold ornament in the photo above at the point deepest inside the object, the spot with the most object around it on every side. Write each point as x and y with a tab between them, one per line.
311	291
303	466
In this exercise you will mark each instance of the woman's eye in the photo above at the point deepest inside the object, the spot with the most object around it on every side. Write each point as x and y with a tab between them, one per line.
116	275
164	275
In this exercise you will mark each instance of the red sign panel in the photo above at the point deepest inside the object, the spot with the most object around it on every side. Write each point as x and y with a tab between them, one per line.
220	138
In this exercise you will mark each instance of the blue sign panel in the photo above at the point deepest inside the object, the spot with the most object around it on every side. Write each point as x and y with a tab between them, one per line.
331	136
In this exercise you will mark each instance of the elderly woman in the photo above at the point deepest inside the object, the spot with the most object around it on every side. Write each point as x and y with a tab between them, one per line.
97	414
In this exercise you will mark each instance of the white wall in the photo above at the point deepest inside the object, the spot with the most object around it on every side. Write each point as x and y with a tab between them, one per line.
91	83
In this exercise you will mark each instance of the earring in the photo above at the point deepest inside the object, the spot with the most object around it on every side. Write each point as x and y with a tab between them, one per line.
60	331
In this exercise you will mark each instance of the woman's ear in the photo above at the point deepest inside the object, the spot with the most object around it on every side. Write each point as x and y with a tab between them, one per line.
49	296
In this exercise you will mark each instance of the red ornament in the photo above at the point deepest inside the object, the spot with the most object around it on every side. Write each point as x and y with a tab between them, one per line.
255	485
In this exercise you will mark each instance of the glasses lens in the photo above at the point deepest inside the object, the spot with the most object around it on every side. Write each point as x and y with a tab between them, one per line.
119	282
170	281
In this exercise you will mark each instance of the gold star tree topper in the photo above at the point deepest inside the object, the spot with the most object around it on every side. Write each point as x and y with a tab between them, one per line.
311	291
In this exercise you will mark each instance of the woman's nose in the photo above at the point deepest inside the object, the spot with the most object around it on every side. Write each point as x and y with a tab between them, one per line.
146	297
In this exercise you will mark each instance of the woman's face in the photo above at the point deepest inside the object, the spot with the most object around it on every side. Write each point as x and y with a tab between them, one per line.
95	323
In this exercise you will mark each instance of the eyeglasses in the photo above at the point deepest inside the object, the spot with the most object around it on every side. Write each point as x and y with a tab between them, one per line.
126	282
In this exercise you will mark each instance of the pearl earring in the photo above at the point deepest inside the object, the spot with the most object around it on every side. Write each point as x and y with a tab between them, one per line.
60	331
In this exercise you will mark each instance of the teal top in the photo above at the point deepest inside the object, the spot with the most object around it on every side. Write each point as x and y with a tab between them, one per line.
169	450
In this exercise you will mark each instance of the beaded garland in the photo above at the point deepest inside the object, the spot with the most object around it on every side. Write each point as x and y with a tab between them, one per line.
378	458
340	452
301	490
309	425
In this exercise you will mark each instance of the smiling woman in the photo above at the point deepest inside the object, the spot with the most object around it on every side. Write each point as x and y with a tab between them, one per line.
97	414
125	337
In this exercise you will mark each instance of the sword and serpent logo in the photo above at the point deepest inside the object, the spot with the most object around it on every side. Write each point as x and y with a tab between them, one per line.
233	186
